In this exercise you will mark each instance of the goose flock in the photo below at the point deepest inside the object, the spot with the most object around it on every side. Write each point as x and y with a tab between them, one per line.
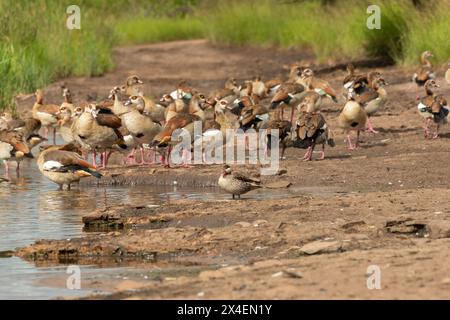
141	129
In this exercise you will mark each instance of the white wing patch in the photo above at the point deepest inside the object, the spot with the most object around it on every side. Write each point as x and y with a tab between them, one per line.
51	165
263	117
5	150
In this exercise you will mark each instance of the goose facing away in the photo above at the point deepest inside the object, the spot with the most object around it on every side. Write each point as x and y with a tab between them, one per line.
311	130
236	183
352	118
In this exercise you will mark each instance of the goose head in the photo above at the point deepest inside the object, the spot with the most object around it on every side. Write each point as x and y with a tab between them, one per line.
133	80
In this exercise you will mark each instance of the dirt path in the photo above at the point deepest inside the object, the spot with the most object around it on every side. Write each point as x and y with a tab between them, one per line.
385	204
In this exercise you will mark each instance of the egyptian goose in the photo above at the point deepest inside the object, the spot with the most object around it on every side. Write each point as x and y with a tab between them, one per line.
98	129
46	114
230	92
425	105
272	86
447	75
13	148
253	116
311	102
288	94
352	117
425	72
164	138
284	132
441	113
312	129
356	83
64	167
322	87
67	96
141	127
258	87
66	118
372	100
236	183
183	113
132	86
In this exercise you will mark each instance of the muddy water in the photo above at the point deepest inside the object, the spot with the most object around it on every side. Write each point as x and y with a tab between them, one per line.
32	208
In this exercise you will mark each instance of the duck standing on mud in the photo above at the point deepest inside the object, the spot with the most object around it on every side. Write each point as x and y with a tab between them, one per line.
236	183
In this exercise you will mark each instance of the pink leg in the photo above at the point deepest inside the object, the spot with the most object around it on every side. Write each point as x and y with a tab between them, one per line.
130	159
322	153
54	136
154	154
94	158
308	154
107	155
6	169
370	126
349	143
46	132
292	114
426	127
436	134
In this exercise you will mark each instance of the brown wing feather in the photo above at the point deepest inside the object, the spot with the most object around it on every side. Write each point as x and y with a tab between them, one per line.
49	108
67	158
423	74
109	120
367	96
241	177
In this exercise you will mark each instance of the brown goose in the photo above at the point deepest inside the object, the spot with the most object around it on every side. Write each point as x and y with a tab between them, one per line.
13	147
98	128
236	183
312	129
322	87
441	113
425	71
64	167
372	100
288	94
425	105
46	114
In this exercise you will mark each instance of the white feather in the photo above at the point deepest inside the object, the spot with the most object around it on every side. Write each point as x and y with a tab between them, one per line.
348	84
421	106
263	117
51	165
5	150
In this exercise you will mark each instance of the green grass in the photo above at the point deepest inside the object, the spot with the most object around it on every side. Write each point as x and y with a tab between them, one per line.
158	29
36	48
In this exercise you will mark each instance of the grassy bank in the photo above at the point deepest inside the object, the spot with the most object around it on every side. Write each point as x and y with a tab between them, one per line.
37	48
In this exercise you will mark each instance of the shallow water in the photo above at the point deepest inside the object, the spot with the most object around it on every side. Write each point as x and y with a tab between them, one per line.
32	208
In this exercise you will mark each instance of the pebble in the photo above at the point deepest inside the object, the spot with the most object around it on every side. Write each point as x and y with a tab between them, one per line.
243	224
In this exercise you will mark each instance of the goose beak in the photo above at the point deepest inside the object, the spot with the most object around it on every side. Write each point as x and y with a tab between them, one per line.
128	102
140	81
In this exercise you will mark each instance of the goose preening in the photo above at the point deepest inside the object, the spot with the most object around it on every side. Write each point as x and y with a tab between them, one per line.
425	105
63	166
312	129
372	99
236	183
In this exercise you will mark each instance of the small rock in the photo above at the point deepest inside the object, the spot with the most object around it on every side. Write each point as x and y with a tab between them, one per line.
201	294
318	247
243	224
259	222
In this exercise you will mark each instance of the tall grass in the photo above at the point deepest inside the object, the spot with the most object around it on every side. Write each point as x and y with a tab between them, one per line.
157	29
36	47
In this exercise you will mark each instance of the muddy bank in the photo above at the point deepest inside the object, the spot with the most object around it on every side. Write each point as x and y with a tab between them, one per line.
384	204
